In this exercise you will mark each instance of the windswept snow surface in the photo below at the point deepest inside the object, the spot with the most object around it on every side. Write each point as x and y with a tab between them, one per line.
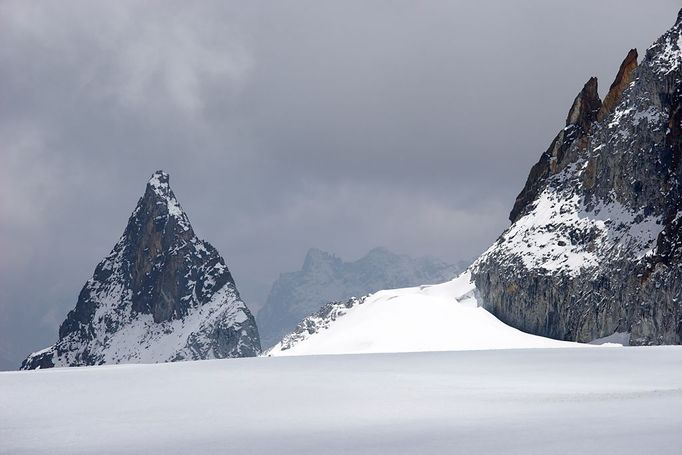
442	317
537	401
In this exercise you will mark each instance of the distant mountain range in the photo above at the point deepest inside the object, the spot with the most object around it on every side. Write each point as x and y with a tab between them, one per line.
326	278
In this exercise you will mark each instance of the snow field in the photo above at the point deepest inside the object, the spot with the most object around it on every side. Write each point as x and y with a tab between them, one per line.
536	401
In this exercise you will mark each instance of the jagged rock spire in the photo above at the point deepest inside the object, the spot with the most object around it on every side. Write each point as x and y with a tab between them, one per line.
595	245
581	116
585	106
161	295
620	83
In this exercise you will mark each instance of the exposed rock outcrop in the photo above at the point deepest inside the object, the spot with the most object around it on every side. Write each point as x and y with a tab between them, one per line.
161	295
579	121
317	322
595	245
620	83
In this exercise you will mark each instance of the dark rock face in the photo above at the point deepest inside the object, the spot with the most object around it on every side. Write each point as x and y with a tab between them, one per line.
595	242
579	121
326	278
623	79
160	295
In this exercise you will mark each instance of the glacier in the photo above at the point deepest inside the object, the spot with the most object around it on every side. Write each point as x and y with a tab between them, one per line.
586	401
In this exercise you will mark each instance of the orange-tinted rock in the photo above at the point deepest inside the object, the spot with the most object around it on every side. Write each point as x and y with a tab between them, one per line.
623	79
581	116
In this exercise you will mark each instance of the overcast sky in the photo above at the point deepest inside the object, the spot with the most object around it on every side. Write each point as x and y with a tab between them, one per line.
284	125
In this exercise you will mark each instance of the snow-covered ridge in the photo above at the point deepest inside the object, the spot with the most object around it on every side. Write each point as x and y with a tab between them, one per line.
442	317
668	51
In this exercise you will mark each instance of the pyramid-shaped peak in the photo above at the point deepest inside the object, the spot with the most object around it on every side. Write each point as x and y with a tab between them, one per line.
161	295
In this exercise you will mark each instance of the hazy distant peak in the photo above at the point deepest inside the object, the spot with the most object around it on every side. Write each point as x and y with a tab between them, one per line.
325	277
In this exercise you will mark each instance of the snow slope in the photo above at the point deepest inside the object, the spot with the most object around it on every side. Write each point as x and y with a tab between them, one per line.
326	278
537	401
440	317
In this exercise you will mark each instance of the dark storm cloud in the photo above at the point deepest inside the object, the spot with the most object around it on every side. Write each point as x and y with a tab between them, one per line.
284	125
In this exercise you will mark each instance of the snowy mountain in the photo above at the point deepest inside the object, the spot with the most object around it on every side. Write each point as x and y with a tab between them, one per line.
161	295
594	251
326	278
595	242
443	317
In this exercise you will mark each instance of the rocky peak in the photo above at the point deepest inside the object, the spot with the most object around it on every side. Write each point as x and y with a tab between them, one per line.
160	199
595	244
159	243
581	116
161	295
585	106
620	83
663	57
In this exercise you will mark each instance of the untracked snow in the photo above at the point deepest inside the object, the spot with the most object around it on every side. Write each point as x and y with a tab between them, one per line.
539	401
441	317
